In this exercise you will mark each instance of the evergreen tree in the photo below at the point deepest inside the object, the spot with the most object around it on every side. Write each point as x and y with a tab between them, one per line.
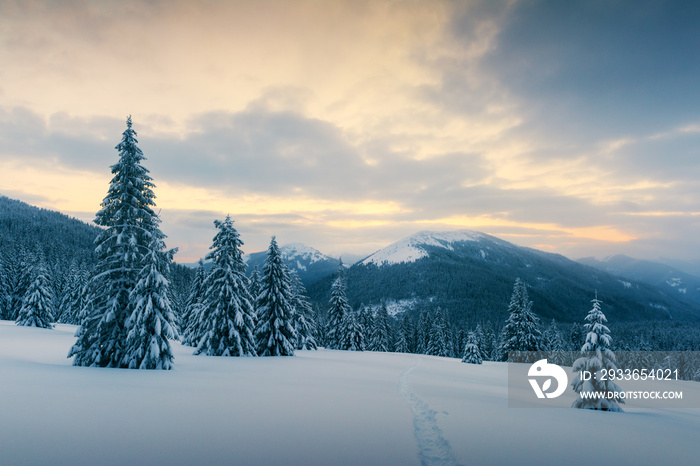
304	322
461	341
597	356
521	332
275	334
73	299
71	287
152	322
338	307
83	305
409	329
554	343
37	303
18	277
3	290
193	306
381	330
472	353
255	284
353	337
440	343
226	319
404	335
425	323
576	337
130	223
366	321
490	347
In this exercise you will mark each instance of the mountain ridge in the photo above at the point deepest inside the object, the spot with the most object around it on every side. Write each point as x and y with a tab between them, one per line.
470	275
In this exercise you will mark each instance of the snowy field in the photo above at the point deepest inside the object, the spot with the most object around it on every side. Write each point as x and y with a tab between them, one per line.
319	408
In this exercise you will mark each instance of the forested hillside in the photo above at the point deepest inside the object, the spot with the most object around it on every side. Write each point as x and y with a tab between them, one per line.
471	280
65	246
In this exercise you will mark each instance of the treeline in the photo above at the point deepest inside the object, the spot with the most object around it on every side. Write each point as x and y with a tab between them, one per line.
67	270
432	332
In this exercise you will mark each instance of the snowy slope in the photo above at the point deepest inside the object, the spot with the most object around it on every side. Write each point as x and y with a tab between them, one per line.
658	274
319	408
413	247
303	254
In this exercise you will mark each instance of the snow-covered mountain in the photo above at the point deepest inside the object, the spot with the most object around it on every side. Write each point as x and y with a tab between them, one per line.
655	273
307	262
471	274
419	245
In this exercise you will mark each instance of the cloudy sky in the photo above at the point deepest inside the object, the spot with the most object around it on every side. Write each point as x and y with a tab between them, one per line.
571	127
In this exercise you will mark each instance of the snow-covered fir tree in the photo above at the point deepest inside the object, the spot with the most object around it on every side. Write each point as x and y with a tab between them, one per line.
254	286
275	333
225	324
366	320
130	222
152	322
381	331
37	304
460	341
255	282
425	322
304	322
472	353
554	344
439	343
597	356
3	290
338	307
193	306
521	332
404	335
353	336
72	299
18	270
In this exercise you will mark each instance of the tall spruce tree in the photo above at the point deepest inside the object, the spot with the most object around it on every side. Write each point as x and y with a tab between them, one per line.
3	289
597	356
193	306
152	322
226	322
304	322
353	336
366	320
472	353
439	343
381	330
37	304
338	307
554	344
425	322
275	333
404	335
521	332
129	225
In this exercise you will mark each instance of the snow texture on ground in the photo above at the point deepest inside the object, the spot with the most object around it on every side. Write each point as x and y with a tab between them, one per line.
319	408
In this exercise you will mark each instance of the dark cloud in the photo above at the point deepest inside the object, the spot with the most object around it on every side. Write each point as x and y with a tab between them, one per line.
601	67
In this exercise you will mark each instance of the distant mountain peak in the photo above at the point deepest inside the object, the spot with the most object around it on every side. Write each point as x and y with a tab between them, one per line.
309	263
300	252
413	247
